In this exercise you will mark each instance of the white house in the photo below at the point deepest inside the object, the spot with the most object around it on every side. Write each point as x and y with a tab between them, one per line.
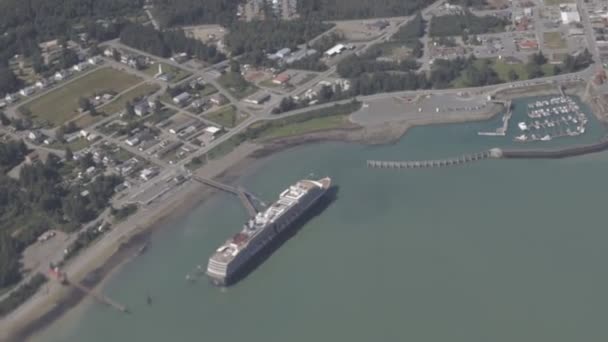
132	141
60	75
27	91
336	50
41	84
569	14
181	98
141	108
94	60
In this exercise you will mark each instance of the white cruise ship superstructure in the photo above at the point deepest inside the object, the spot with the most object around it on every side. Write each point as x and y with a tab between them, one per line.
231	257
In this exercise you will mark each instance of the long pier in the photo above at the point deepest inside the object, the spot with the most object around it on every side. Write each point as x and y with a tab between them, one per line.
99	297
61	277
245	196
418	164
496	153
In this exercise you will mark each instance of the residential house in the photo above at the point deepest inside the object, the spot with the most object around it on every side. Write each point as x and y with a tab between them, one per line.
182	98
258	98
32	158
281	78
141	108
218	99
27	91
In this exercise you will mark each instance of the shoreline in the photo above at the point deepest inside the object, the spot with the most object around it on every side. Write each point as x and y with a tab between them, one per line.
183	199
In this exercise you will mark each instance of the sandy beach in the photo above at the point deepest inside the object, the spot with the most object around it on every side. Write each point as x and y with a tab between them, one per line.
120	245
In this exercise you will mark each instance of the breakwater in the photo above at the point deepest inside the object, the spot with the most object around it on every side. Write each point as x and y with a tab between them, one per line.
565	152
496	153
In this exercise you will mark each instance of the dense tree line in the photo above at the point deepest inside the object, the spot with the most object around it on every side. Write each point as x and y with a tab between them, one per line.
267	36
465	23
12	154
190	12
469	3
9	83
165	43
40	200
311	62
357	9
354	65
578	62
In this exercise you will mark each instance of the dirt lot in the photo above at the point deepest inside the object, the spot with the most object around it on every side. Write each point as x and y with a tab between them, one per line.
359	30
206	33
41	253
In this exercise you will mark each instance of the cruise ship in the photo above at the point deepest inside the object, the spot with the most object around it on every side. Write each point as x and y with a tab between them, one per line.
230	259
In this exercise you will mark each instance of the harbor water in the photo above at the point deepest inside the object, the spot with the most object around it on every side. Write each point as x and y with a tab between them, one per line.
498	250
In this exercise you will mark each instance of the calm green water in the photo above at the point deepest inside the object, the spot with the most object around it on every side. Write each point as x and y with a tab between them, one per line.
502	250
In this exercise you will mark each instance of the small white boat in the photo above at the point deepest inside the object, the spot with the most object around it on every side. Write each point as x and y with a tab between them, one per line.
522	137
522	126
545	138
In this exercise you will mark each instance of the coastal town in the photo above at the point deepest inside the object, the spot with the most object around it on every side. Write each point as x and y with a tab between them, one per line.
117	121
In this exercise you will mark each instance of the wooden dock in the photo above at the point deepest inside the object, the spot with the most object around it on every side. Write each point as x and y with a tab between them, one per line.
99	297
420	164
246	197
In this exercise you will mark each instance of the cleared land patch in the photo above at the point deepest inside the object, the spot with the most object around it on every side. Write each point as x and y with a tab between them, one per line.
61	105
226	116
554	40
119	102
176	74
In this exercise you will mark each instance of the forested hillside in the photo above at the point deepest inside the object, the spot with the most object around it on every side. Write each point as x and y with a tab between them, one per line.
189	12
354	9
164	43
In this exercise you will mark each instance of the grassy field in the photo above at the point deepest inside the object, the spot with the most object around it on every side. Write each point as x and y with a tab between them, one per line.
87	120
554	40
226	116
208	90
312	121
236	85
558	2
503	69
61	104
300	128
75	145
119	102
178	73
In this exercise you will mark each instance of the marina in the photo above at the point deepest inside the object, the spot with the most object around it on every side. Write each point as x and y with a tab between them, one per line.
502	130
559	116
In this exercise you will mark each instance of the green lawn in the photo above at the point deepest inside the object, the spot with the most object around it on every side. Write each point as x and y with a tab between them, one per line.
88	119
226	116
558	2
503	69
178	73
307	78
75	145
554	40
300	128
208	90
119	102
237	85
61	104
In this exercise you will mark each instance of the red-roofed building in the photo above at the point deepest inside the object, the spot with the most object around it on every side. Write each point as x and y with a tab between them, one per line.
281	78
